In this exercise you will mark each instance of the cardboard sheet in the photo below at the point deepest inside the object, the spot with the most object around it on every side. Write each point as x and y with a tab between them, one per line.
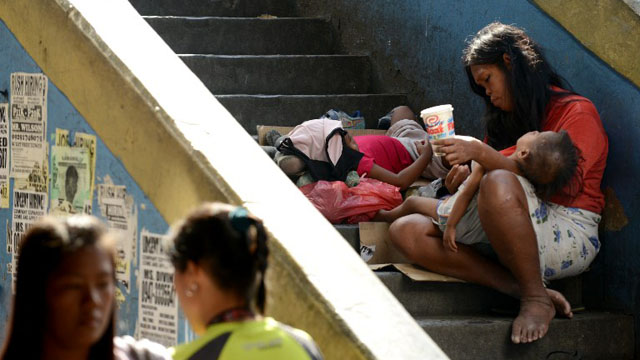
378	252
375	244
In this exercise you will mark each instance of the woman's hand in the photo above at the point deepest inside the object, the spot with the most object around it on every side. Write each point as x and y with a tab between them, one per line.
459	149
456	176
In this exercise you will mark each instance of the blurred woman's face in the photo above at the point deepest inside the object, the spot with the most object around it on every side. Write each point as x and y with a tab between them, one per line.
494	81
80	295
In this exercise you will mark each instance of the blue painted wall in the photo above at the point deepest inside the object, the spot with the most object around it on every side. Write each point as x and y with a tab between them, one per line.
416	47
61	114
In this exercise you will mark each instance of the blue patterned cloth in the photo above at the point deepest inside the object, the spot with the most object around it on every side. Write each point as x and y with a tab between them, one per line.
567	237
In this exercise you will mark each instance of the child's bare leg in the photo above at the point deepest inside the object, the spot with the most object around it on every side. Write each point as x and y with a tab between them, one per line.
412	205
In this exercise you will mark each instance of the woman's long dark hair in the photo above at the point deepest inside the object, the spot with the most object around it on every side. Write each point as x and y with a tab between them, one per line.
42	250
229	243
529	79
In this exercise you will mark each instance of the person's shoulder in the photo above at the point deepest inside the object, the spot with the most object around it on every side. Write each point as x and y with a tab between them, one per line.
571	110
128	348
569	102
299	336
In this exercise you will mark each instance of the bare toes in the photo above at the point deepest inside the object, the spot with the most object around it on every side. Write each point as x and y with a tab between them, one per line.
533	320
516	334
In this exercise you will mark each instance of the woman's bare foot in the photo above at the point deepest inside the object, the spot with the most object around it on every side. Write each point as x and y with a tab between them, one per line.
560	303
533	320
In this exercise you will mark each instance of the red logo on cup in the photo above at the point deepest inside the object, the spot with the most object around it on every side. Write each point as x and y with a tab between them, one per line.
432	120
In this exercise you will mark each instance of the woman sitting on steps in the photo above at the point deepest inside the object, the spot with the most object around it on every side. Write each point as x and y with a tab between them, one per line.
534	240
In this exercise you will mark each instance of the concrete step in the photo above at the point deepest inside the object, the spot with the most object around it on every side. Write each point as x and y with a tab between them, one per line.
589	335
235	8
425	298
422	298
282	74
244	36
351	233
291	110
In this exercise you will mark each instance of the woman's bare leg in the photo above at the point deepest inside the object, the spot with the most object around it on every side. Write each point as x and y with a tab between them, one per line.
411	205
504	213
416	237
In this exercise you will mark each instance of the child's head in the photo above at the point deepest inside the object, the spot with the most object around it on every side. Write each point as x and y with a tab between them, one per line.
547	159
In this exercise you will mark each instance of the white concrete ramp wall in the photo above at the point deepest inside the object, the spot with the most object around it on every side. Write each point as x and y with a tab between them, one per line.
182	147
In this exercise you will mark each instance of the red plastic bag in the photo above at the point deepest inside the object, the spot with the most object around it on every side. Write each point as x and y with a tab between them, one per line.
339	203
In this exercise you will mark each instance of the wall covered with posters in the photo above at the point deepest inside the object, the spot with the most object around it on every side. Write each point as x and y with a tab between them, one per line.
52	162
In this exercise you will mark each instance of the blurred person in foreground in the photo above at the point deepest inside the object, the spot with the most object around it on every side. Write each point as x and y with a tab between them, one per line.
64	305
220	257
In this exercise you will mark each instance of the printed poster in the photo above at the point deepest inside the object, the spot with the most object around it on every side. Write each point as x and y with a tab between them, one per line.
28	207
62	137
7	226
70	180
116	206
157	302
4	156
88	141
28	124
4	195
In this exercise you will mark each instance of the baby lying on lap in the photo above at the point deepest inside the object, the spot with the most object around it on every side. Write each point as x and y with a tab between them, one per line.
546	159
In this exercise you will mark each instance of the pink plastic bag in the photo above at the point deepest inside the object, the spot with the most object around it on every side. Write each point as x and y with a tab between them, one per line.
339	203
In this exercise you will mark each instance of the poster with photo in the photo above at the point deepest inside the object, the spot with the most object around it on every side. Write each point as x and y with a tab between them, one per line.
88	141
70	180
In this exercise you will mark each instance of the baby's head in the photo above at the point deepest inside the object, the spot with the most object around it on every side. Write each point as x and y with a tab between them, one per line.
547	159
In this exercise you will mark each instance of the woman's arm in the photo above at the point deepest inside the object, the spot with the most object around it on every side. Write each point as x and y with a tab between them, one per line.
460	149
408	175
461	204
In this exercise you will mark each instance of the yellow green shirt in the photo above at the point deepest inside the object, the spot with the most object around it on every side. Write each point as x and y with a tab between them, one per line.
264	339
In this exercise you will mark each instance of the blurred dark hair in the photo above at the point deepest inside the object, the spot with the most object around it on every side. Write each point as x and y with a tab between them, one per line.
529	79
229	243
42	249
553	165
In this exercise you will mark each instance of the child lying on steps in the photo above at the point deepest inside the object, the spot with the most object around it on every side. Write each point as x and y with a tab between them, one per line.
547	159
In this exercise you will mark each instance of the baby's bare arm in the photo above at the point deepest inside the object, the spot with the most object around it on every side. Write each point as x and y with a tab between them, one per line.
466	194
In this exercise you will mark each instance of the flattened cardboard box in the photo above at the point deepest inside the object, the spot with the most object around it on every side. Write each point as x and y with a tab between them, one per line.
378	252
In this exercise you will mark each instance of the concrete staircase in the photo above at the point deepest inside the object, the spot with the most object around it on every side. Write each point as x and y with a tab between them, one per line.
469	321
273	69
282	70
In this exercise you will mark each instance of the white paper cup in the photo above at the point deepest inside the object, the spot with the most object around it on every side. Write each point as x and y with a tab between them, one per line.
439	123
